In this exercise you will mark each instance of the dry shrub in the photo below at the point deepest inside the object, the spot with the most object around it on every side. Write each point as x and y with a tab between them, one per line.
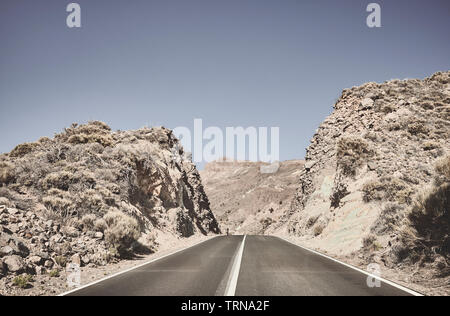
93	132
88	221
60	180
442	169
122	231
387	189
58	205
23	149
429	233
430	145
418	127
430	216
104	140
351	152
370	243
389	220
100	225
7	173
318	229
89	202
266	222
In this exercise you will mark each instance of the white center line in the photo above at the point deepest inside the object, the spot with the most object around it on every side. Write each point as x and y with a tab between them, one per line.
234	274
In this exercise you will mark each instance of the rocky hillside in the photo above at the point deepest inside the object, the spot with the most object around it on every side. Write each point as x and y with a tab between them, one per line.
92	196
246	198
376	176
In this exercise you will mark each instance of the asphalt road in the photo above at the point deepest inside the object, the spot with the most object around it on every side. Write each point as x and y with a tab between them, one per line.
269	267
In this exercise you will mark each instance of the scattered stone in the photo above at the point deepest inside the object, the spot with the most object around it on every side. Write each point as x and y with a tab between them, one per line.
39	270
86	260
36	260
6	251
76	259
13	211
99	235
14	264
48	264
372	166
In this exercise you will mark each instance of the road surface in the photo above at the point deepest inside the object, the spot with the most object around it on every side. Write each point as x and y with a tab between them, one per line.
267	266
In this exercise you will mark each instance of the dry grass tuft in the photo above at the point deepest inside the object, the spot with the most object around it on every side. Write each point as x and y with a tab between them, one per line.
387	189
122	231
7	173
351	152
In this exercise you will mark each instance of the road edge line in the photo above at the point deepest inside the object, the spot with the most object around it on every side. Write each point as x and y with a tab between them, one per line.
235	270
133	268
398	286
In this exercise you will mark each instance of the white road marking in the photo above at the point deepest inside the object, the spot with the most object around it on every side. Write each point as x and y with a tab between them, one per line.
133	268
234	274
355	268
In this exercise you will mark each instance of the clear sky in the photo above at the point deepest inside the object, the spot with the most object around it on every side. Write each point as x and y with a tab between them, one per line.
136	63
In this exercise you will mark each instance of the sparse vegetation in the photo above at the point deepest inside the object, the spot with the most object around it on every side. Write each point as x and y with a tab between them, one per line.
23	281
418	127
351	152
61	261
389	219
430	214
370	243
266	222
7	174
88	221
122	231
100	225
91	196
387	189
318	229
23	149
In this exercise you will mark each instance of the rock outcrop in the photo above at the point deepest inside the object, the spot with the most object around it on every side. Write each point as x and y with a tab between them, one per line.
91	196
368	168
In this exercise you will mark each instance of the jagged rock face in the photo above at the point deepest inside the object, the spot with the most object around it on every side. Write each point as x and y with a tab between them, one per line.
245	198
368	161
90	190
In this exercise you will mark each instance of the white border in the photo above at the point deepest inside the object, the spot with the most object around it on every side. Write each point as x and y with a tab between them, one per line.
133	268
354	268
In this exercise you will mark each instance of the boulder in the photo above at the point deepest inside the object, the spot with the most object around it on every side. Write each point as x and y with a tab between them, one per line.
19	247
14	264
309	165
36	260
372	166
367	103
6	251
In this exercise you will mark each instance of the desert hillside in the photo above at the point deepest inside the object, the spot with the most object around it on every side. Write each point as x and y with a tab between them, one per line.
376	182
245	198
91	196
